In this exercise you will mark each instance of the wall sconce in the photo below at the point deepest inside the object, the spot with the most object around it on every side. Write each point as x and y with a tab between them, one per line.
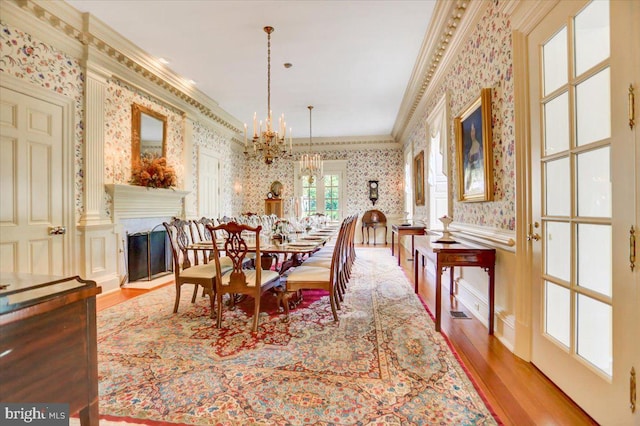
373	191
237	188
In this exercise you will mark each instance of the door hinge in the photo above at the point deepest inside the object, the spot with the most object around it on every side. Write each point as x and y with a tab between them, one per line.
632	107
632	248
632	390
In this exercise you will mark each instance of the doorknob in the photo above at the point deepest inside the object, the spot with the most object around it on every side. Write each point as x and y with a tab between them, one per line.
57	230
533	235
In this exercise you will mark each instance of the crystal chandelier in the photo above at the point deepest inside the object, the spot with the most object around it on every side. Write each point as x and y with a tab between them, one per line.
311	165
268	144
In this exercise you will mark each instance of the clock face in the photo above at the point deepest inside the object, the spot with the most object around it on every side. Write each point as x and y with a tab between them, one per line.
270	194
374	185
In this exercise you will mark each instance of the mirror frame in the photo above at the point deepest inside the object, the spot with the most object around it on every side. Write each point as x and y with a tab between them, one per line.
136	111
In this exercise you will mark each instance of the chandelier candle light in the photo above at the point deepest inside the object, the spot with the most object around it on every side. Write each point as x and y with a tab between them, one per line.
311	165
269	144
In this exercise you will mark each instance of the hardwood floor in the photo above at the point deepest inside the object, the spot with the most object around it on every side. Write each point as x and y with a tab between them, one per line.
517	391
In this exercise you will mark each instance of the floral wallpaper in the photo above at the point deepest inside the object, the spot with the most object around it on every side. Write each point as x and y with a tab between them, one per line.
34	61
117	138
384	165
485	60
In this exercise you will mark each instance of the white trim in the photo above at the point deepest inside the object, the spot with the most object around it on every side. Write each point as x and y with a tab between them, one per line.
131	201
329	167
68	164
498	238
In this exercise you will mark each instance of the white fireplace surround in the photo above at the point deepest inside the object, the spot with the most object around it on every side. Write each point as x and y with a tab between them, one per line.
130	201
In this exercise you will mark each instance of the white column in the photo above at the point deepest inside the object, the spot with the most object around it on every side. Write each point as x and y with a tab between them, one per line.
93	148
99	252
189	179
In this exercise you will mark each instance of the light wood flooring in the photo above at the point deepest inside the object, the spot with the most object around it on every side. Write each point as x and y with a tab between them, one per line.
517	391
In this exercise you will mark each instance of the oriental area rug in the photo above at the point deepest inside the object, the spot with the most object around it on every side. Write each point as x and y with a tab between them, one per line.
381	364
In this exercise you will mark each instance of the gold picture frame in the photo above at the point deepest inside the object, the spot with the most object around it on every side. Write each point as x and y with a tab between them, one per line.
418	179
474	152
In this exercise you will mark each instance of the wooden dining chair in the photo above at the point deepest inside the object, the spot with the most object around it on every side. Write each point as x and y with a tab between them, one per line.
240	241
184	271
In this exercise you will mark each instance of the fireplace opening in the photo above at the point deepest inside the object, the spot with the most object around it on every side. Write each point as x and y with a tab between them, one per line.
148	255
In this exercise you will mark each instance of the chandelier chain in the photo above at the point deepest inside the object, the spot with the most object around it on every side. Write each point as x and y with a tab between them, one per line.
269	71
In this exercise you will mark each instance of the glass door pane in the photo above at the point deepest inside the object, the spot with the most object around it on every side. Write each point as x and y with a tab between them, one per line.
576	183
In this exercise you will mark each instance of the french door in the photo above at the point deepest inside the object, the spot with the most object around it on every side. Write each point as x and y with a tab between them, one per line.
582	59
324	195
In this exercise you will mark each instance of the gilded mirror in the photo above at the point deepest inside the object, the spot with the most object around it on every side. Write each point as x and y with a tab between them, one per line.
148	133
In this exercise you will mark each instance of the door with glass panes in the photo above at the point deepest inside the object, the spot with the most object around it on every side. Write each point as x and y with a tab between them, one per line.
584	203
324	195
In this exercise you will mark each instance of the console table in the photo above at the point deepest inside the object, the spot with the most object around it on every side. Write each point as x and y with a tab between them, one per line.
452	255
405	229
374	219
48	344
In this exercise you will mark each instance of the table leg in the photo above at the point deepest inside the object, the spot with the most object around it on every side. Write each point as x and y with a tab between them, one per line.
362	229
451	281
415	271
392	239
399	248
492	292
412	245
438	293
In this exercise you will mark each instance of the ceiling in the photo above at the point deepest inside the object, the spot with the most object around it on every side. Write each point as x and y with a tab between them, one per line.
352	60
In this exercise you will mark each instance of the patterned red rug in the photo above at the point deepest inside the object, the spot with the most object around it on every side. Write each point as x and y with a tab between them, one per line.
381	364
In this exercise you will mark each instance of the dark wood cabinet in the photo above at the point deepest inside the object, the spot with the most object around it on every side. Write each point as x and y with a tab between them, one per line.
48	342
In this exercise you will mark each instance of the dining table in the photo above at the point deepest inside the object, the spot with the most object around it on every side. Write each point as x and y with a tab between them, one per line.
293	247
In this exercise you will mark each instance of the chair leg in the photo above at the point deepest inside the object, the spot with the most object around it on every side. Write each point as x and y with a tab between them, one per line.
334	303
219	301
195	293
211	297
175	305
256	312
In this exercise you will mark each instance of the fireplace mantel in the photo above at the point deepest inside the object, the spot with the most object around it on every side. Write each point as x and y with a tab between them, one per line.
131	201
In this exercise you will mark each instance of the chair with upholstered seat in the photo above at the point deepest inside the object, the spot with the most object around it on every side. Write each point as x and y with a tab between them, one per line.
306	277
237	243
184	272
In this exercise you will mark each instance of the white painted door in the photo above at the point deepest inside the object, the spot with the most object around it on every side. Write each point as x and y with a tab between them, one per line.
209	173
31	186
583	153
437	183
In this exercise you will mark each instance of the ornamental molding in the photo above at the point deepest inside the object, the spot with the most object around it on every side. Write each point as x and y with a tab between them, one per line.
449	23
107	51
131	201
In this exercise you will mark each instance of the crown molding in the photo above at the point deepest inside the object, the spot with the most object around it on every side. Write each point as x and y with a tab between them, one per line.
98	46
449	24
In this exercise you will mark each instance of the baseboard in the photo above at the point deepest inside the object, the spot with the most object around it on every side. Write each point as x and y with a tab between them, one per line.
478	306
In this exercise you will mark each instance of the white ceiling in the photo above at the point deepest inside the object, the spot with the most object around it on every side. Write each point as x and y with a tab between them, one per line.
352	60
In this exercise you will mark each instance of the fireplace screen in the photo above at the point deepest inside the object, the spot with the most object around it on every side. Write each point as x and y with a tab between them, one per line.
147	255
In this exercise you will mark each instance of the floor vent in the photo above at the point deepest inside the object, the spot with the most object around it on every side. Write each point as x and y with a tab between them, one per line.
460	315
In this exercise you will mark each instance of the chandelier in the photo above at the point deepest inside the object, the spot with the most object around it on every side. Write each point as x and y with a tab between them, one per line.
268	144
311	165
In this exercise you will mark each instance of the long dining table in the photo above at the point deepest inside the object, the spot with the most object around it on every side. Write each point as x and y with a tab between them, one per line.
293	251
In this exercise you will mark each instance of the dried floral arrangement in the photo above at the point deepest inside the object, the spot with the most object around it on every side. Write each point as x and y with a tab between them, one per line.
153	172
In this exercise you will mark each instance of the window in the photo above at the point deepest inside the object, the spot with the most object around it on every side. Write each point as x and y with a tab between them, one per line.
326	195
309	196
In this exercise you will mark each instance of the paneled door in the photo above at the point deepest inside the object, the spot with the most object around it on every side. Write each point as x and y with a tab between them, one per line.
31	188
209	171
583	57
